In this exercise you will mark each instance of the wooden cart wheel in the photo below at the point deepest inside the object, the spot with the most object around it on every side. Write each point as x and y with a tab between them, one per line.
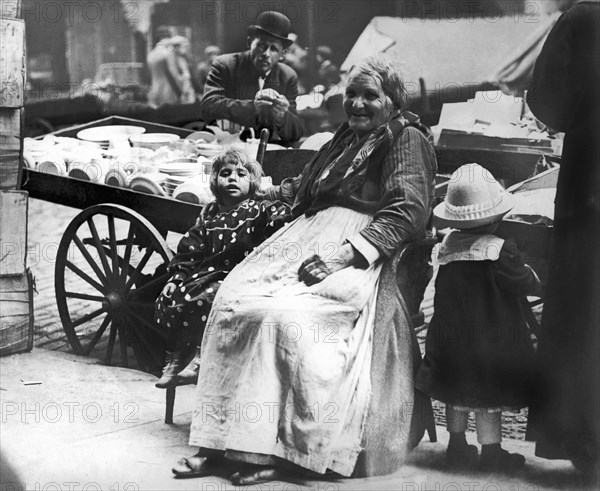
110	268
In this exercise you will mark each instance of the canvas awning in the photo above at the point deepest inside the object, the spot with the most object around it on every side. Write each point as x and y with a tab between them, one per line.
455	53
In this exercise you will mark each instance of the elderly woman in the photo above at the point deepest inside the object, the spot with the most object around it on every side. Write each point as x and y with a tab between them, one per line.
307	359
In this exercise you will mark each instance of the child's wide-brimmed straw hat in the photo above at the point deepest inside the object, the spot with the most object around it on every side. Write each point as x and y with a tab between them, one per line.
474	199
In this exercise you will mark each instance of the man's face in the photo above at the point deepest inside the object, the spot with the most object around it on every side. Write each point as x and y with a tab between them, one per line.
265	52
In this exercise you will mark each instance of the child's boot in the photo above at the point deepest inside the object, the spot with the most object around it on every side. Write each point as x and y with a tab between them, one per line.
461	455
189	375
173	365
495	459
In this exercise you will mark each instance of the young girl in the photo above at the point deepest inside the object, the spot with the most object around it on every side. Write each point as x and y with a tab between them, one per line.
224	234
478	355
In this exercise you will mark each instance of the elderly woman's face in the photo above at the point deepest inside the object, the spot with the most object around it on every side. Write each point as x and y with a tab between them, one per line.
365	104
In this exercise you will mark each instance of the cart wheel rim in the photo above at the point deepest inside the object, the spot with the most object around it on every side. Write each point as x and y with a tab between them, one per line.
110	263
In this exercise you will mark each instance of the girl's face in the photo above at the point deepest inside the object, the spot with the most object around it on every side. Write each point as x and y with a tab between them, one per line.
233	183
365	104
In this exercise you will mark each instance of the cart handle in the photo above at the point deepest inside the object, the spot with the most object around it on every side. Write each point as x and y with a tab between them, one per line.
262	145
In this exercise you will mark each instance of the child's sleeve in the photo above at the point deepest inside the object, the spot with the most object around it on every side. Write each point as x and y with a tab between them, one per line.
286	191
513	275
191	250
273	216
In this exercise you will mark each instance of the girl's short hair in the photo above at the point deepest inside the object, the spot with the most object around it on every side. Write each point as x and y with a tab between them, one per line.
381	67
236	157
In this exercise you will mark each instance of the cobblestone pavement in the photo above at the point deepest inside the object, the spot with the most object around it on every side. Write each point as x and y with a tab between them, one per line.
47	223
145	452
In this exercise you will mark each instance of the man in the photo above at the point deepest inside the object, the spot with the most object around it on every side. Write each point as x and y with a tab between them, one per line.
253	88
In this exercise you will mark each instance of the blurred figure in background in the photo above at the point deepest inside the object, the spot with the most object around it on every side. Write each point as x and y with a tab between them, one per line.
181	47
210	53
328	72
165	86
297	58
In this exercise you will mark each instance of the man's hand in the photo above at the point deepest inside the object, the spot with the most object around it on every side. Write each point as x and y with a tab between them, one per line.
280	107
272	103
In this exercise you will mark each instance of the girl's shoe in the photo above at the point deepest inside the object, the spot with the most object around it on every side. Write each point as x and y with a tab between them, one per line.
462	456
173	365
500	461
189	375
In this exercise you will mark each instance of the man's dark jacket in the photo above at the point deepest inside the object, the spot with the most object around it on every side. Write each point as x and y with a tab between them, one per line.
230	89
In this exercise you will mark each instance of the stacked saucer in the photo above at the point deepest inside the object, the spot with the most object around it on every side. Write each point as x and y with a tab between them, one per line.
150	183
195	190
181	168
172	182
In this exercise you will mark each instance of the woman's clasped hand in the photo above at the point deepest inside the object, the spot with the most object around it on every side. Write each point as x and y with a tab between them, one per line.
314	269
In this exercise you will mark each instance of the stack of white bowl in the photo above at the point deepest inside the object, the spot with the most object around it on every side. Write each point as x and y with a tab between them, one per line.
110	135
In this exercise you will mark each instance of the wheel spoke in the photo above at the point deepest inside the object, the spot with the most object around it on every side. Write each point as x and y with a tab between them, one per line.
111	343
99	246
146	322
84	296
98	335
85	276
142	338
113	245
139	267
88	317
89	259
127	257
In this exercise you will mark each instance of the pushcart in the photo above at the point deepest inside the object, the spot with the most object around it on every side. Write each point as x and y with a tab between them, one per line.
111	262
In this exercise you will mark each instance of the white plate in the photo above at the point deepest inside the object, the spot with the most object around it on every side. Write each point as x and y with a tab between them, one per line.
153	141
201	135
178	167
153	138
187	176
103	134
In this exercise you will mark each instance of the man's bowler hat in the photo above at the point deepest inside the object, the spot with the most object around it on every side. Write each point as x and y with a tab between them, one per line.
272	24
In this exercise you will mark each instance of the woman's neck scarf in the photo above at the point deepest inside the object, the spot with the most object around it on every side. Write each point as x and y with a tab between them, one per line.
339	170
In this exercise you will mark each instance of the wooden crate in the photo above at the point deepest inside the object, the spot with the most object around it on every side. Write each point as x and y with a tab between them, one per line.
11	147
10	9
16	313
12	62
12	83
13	232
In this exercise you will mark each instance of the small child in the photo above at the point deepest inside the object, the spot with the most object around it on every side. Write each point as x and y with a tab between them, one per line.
479	355
224	234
